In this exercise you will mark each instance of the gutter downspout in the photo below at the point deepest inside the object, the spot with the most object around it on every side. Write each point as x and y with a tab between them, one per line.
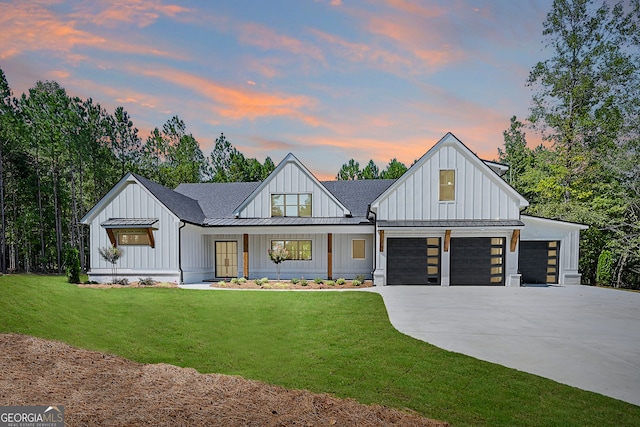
375	236
182	225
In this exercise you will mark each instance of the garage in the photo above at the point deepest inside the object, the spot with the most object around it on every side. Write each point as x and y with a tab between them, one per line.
477	261
413	261
538	261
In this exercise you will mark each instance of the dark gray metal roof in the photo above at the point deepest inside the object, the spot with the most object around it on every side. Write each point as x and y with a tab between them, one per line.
218	199
129	222
283	221
453	223
356	195
185	208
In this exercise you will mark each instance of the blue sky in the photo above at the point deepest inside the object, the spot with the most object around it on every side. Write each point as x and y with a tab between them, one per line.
328	80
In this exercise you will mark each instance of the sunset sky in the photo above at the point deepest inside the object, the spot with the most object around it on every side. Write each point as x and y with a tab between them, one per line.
328	80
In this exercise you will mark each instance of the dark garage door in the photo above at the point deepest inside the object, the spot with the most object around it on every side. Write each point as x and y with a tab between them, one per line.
413	261
538	261
477	261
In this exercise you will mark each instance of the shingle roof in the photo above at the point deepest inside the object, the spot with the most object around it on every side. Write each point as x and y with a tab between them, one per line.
213	204
218	199
356	195
185	208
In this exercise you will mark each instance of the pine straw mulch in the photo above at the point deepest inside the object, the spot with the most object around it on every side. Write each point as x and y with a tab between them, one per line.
101	389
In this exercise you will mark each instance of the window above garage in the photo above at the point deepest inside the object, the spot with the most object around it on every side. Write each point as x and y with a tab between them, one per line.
447	185
131	231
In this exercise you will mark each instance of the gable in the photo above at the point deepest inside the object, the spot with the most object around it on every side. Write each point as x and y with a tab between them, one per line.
479	192
291	177
134	194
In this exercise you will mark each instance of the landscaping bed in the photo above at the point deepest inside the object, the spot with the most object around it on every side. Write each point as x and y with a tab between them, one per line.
101	389
297	284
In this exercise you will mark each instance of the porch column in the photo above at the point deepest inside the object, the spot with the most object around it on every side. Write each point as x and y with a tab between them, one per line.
245	256
330	256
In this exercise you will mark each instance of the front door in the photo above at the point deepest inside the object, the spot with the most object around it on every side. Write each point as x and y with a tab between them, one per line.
227	259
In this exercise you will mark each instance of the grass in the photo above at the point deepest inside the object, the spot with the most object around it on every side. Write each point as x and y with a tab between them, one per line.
338	343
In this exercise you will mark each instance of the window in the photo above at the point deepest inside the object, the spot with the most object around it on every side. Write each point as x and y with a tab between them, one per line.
447	185
134	236
358	249
291	205
299	250
433	260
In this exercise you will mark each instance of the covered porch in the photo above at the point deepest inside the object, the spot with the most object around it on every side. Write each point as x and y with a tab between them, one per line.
327	251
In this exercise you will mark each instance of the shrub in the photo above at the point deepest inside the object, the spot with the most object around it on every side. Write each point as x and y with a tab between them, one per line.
221	283
242	280
341	281
604	272
330	283
72	260
148	281
303	282
360	278
356	282
123	282
262	281
267	286
295	280
235	280
111	254
318	281
280	285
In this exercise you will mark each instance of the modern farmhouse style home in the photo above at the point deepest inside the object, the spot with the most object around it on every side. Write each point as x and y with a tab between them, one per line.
449	220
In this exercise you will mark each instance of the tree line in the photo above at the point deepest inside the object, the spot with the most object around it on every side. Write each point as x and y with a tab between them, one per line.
59	155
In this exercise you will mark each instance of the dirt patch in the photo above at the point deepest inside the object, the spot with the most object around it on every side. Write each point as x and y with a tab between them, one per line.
102	389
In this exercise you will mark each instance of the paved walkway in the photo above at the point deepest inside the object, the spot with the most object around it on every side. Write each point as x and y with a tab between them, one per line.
582	336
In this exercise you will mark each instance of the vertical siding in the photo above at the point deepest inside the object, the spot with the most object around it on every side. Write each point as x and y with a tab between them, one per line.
135	202
478	195
261	266
291	179
343	263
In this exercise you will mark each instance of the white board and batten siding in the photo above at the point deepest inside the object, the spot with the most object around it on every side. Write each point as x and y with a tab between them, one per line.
161	262
199	253
478	195
343	263
292	179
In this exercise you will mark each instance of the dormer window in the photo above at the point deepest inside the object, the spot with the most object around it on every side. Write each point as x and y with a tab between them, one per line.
291	205
447	185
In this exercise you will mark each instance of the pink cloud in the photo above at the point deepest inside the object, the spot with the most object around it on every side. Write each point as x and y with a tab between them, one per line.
32	27
239	103
361	52
415	8
142	13
268	39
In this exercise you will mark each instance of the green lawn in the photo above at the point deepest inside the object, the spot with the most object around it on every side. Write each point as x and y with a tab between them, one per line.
340	343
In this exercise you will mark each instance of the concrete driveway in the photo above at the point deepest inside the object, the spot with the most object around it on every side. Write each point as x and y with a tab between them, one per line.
582	336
